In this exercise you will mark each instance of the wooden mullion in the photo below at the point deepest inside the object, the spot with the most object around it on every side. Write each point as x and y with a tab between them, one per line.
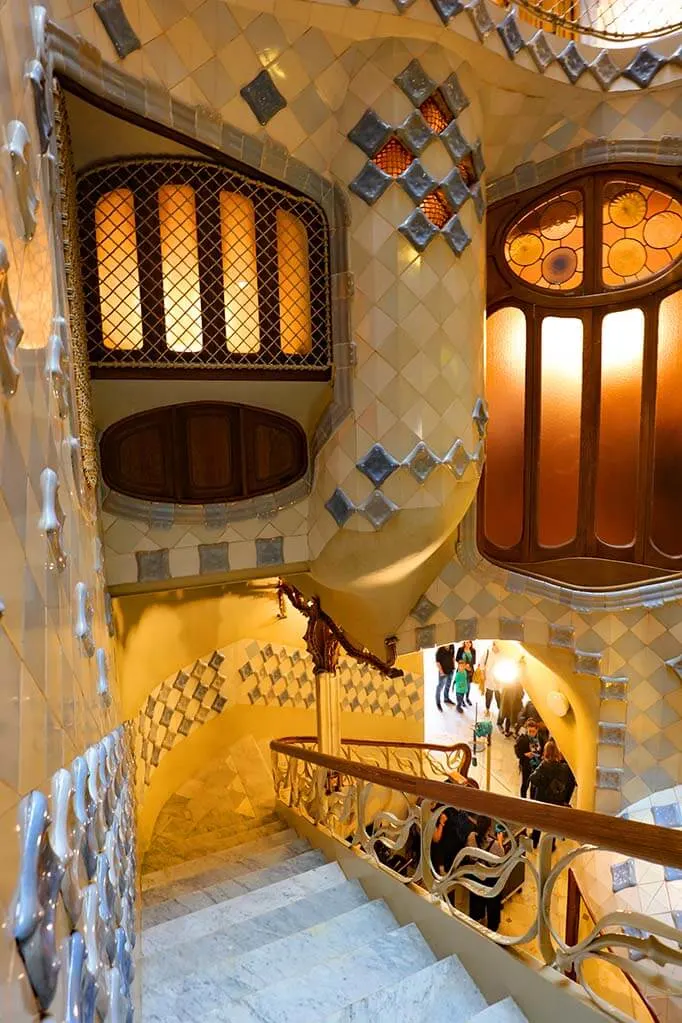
530	544
209	236
148	235
647	438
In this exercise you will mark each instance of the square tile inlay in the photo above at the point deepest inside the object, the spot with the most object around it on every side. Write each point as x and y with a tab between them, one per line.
456	236
447	9
415	83
152	565
418	230
270	552
378	509
454	95
377	465
416	181
421	462
340	507
623	875
370	133
370	183
117	26
414	133
263	97
669	816
423	609
213	557
642	69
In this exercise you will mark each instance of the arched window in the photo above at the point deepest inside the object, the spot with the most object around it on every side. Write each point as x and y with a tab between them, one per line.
189	265
584	379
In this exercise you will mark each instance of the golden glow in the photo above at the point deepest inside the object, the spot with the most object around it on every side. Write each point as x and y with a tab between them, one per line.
665	518
180	267
240	276
118	271
506	671
560	406
294	285
622	340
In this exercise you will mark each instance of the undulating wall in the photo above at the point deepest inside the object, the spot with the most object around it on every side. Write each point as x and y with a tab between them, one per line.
58	682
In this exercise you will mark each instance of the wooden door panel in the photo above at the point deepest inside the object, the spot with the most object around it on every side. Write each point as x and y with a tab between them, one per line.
136	458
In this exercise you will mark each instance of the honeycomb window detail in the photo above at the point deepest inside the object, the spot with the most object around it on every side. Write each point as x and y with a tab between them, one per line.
435	112
393	158
436	208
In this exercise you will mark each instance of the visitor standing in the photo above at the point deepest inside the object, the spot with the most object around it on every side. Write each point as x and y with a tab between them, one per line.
445	661
462	684
511	702
492	686
467	653
528	749
552	782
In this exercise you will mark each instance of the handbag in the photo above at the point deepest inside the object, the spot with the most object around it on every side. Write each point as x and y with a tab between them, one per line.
479	679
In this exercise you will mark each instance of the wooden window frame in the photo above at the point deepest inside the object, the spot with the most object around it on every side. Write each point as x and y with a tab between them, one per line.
591	303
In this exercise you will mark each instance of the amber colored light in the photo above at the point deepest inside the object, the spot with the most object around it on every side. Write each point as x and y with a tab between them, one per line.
436	114
117	271
505	377
666	534
641	232
622	350
545	246
240	275
436	208
180	268
393	158
294	285
561	386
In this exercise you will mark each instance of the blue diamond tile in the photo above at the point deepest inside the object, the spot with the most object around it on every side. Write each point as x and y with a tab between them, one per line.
604	69
540	50
672	873
421	462
642	69
378	509
263	97
447	9
117	26
478	161
572	62
415	83
455	189
669	816
454	95
480	19
340	507
270	552
414	133
371	183
510	34
458	458
456	236
418	230
417	182
478	195
423	609
455	143
623	875
377	465
370	133
425	637
480	416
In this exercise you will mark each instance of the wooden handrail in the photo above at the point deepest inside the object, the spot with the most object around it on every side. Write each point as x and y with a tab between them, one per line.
462	747
630	838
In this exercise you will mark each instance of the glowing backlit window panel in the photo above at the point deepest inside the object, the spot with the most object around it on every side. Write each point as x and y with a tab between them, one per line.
666	533
561	377
545	247
117	271
641	233
393	158
180	268
505	378
294	285
620	417
240	275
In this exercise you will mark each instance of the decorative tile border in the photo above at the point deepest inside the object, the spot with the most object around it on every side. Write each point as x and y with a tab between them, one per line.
78	857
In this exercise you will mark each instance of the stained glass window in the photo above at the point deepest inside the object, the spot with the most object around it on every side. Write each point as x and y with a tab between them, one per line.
545	247
642	232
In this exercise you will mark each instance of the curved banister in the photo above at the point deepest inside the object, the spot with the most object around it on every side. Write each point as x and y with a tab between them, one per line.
630	838
458	747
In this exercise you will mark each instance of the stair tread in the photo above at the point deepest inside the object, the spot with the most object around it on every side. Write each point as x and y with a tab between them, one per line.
231	888
506	1011
222	946
279	960
440	993
329	986
194	868
165	854
225	914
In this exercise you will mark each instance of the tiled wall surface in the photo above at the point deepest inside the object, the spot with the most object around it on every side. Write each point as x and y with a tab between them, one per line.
50	679
258	675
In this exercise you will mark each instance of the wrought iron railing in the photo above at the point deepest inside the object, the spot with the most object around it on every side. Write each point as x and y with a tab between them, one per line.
616	21
423	760
396	819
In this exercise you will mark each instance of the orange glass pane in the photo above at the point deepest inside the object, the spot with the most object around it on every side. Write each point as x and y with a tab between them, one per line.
180	268
642	233
240	276
666	534
436	208
118	271
506	394
545	247
435	112
561	378
622	349
393	158
294	285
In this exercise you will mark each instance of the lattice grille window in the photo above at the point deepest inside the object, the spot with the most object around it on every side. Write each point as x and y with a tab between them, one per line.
189	264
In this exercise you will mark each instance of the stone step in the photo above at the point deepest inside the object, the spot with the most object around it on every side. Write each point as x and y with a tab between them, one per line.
329	986
441	993
224	915
169	850
190	901
227	870
272	835
229	980
187	958
506	1011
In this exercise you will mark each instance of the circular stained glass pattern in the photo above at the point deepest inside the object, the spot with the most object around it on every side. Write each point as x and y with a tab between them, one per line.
641	233
545	247
559	266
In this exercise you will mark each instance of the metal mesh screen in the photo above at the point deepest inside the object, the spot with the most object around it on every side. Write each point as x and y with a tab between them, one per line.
189	264
609	20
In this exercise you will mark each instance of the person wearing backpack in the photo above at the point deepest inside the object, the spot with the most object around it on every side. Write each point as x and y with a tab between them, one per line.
528	749
552	782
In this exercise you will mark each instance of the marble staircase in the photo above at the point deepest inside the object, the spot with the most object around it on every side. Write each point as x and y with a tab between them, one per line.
255	927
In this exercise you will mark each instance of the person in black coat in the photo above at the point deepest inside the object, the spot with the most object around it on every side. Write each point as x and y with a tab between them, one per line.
445	660
467	653
528	749
552	782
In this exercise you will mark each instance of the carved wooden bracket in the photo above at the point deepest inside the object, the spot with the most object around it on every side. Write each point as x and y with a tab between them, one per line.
11	331
323	636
